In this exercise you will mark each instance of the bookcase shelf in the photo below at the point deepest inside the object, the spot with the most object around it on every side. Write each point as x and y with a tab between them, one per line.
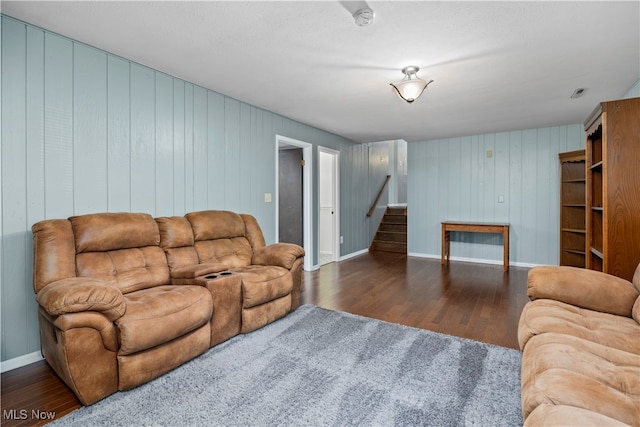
613	187
573	208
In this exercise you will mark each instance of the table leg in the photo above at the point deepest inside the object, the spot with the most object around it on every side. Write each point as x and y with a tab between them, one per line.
446	240
505	244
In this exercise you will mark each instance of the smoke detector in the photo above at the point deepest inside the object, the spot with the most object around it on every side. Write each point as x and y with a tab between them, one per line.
364	17
578	93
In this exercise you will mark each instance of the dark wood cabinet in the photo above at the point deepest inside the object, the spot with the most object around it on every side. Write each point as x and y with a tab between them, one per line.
573	209
613	187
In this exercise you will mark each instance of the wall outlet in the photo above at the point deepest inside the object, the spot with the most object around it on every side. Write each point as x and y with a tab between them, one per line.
341	240
267	197
500	199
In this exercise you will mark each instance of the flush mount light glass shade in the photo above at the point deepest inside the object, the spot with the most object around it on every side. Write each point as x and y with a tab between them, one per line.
411	87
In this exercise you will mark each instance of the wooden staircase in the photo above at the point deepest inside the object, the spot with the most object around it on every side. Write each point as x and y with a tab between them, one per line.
392	232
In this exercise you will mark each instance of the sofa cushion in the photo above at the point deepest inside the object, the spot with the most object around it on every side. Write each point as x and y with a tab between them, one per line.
111	231
563	415
175	232
211	225
234	252
262	284
544	315
158	315
564	370
590	289
128	269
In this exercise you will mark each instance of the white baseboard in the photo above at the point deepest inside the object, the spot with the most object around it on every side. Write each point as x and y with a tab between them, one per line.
20	361
476	260
353	254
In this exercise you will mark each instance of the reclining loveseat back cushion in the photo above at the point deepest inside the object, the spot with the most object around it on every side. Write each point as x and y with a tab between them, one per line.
220	236
121	249
176	238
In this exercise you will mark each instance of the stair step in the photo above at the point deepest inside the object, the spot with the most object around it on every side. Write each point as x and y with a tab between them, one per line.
394	219
389	246
387	226
391	236
396	211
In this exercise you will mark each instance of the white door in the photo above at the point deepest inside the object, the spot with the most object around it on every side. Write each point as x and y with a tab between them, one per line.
328	218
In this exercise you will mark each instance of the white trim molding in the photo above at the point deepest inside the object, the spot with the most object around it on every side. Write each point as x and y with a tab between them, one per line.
20	361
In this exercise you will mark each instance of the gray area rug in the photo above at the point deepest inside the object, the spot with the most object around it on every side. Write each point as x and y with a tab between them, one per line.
318	367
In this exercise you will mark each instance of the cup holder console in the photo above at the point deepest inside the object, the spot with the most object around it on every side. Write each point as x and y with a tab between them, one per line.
215	276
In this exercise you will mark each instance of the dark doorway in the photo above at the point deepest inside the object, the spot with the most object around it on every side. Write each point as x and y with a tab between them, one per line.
290	196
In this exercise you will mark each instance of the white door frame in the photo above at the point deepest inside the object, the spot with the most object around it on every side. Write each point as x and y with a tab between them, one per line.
307	204
336	199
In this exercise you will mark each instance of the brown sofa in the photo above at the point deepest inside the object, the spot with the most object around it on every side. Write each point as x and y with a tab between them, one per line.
580	337
124	298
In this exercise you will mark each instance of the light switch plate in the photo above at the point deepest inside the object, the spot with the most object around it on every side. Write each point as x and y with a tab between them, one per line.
267	197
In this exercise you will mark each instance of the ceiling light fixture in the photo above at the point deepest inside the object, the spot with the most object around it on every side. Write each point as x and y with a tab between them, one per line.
364	17
412	86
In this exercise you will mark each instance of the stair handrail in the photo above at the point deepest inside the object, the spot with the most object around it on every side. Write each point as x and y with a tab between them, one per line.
375	202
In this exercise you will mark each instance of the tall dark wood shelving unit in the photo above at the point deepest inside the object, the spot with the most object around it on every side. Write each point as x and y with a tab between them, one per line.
613	187
573	209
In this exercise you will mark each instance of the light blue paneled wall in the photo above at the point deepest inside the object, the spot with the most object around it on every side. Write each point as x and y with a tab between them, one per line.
454	179
85	131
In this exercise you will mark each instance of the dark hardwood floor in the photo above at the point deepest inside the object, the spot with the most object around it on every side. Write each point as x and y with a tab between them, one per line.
474	301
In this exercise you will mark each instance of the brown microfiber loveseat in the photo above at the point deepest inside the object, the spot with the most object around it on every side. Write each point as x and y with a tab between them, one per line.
580	337
114	315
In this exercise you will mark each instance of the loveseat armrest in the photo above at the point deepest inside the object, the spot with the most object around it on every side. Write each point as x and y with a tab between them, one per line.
588	289
197	270
78	294
278	254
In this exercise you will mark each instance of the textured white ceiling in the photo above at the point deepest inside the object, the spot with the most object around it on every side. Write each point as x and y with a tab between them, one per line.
496	66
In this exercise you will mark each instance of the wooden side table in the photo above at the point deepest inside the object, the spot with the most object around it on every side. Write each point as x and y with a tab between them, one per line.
475	227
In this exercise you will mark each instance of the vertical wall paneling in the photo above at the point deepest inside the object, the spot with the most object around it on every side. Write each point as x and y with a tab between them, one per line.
118	135
232	153
58	126
164	145
516	183
14	132
143	153
200	148
216	165
87	131
443	180
266	163
35	185
178	148
254	150
529	197
188	147
245	160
